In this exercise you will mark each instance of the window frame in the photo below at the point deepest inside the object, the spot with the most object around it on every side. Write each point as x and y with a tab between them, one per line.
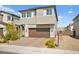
23	14
9	17
30	14
49	11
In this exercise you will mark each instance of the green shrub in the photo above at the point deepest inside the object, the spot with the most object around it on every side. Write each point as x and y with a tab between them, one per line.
50	43
12	33
7	36
3	39
11	36
15	36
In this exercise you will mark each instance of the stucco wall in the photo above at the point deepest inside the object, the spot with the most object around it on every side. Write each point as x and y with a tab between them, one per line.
5	17
76	26
53	30
45	19
4	28
26	31
1	17
39	18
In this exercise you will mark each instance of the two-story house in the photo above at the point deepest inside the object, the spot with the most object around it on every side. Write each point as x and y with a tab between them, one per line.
38	22
6	17
76	26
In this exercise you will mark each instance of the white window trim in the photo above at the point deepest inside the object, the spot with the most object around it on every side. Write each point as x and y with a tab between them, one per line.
45	13
32	15
10	17
23	17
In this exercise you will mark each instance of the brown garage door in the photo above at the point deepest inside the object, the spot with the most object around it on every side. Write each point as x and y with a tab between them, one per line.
1	31
39	32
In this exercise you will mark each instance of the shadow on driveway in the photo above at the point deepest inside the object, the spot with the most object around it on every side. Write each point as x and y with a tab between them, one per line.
74	37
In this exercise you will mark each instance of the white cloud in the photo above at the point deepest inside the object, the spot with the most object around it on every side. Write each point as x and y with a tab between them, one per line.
60	17
2	8
70	12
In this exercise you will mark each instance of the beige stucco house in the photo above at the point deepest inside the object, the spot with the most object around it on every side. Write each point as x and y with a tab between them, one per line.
76	26
5	18
38	22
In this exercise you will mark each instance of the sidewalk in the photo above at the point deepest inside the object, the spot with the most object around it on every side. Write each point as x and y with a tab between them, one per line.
33	50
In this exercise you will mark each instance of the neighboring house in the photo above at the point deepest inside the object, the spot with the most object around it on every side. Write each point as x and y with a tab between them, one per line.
5	18
76	26
60	29
68	30
38	22
70	27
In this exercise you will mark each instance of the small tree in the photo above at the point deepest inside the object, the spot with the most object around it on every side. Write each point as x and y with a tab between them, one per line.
12	33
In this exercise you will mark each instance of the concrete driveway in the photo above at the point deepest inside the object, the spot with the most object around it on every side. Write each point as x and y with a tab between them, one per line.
34	42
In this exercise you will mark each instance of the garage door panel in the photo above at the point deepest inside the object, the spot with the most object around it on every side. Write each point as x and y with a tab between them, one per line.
40	32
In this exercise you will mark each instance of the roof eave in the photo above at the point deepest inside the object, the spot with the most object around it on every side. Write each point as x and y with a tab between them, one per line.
35	8
10	13
75	17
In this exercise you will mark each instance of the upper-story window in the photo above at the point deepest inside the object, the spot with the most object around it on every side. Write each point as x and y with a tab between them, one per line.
23	14
49	12
8	17
15	18
29	14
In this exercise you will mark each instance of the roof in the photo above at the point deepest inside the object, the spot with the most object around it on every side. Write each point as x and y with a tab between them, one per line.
36	8
10	13
75	17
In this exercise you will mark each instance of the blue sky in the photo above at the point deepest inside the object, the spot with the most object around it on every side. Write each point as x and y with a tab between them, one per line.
65	13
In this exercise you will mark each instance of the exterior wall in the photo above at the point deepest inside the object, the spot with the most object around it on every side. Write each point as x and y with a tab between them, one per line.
1	17
43	26
4	29
53	30
39	18
26	31
2	26
31	26
28	21
5	17
76	26
45	19
71	28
